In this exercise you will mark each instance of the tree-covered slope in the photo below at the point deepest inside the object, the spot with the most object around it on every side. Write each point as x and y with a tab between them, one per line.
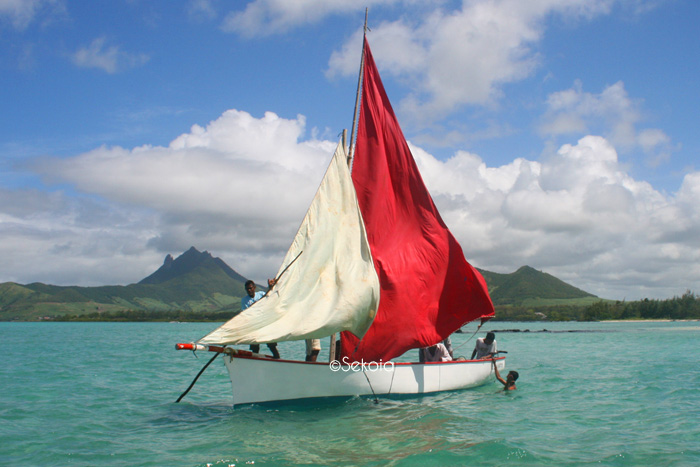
195	281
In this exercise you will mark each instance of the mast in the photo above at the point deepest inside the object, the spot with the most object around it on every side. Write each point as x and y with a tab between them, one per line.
351	154
351	149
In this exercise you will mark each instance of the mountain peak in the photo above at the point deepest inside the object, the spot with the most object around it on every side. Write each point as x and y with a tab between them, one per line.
193	252
186	263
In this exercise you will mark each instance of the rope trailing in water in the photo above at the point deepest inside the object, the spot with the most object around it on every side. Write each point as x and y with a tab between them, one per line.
376	400
197	377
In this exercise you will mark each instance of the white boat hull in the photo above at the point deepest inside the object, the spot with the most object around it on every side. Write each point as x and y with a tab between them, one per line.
258	380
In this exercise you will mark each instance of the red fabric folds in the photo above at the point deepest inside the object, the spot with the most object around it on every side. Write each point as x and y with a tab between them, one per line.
428	289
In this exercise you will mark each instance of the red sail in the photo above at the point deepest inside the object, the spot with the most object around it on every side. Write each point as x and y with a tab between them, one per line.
428	289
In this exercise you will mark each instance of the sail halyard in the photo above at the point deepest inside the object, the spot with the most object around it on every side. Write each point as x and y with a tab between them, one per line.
358	96
428	289
331	286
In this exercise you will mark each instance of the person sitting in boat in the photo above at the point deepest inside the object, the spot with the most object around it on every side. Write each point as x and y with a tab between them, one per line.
447	342
251	298
435	353
509	382
485	347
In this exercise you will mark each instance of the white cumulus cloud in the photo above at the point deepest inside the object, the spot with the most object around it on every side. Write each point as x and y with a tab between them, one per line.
612	113
240	185
437	51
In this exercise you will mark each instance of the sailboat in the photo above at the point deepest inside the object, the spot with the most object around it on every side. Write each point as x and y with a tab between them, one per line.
372	261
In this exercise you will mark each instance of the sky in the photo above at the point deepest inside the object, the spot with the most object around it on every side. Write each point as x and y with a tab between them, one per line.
559	134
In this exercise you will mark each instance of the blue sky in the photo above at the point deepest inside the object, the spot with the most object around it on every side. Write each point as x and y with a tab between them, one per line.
560	134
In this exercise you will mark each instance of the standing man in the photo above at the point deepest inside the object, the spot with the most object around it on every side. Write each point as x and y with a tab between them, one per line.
251	298
313	348
485	346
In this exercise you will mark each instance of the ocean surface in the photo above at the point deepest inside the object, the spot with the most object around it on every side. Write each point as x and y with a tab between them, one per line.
94	394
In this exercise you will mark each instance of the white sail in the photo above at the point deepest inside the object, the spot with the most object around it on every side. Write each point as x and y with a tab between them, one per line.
332	285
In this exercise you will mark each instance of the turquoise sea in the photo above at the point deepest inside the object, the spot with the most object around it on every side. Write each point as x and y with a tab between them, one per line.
93	394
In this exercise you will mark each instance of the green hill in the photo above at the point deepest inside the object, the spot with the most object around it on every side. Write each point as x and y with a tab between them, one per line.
529	287
196	282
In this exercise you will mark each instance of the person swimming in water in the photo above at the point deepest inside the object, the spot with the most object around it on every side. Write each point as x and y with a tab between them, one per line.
509	382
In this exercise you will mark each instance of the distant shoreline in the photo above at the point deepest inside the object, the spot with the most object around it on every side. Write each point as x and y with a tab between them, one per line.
644	320
557	331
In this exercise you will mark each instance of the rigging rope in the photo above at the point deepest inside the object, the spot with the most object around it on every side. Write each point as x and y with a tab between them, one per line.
470	338
391	385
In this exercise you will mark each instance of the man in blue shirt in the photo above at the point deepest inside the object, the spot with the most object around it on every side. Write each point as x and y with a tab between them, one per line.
248	300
